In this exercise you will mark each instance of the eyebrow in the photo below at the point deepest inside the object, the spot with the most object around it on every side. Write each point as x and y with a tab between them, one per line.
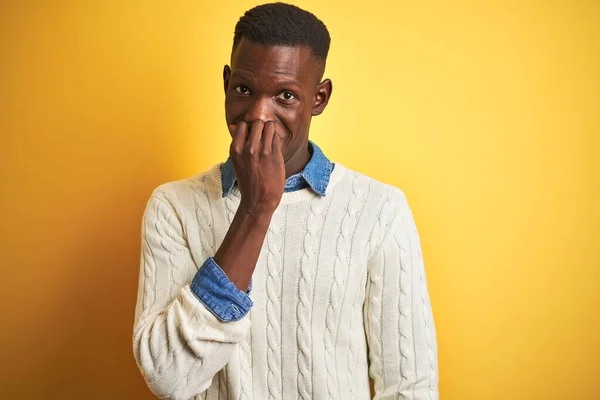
283	82
289	83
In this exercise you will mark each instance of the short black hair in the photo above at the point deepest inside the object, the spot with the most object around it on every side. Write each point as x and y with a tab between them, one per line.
281	24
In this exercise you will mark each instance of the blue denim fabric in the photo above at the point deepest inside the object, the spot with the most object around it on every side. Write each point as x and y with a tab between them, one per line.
211	285
218	294
315	175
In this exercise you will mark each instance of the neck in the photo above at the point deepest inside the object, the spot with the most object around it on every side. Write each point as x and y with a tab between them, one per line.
298	161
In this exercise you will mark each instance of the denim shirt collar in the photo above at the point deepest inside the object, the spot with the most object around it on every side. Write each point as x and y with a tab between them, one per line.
316	174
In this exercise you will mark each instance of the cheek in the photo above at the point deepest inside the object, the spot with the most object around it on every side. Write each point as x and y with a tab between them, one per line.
295	135
233	110
289	132
293	122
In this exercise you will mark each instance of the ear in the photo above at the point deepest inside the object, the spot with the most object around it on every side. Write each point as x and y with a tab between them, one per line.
226	77
322	95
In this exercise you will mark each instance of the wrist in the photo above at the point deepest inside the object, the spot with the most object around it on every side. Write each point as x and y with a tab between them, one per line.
260	211
257	216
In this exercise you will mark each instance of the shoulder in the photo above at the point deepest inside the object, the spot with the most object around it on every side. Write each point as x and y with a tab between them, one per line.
185	195
383	206
377	193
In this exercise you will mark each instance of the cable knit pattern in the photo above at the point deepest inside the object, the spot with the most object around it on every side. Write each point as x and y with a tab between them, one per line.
340	246
244	350
149	265
374	320
246	367
376	280
343	248
273	310
353	356
353	270
355	208
202	209
231	204
404	321
303	310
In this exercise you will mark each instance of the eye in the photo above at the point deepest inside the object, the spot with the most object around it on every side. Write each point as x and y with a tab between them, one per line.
286	95
242	89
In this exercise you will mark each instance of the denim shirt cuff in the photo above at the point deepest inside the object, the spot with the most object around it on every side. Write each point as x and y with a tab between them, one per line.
218	294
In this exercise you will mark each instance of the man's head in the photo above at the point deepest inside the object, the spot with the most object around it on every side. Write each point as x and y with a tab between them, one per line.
277	63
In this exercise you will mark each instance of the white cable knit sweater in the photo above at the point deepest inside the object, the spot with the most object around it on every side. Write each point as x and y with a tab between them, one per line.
339	292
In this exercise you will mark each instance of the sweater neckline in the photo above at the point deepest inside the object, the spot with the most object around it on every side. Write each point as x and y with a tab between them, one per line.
289	197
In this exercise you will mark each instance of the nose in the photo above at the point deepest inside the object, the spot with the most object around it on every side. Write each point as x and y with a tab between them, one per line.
260	109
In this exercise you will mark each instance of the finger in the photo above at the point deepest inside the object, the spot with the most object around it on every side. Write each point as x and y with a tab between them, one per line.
253	145
278	146
239	138
267	138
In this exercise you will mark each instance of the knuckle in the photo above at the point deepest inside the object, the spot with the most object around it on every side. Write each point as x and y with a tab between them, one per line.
235	151
265	152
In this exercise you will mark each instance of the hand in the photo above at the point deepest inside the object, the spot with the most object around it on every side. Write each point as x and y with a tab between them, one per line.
257	155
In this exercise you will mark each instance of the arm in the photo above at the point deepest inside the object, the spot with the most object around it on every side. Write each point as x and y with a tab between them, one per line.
257	155
185	333
179	344
398	317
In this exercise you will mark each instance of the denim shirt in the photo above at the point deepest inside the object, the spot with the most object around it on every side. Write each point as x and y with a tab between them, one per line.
315	175
210	284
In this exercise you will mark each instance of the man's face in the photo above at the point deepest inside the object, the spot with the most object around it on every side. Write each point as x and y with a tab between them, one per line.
275	83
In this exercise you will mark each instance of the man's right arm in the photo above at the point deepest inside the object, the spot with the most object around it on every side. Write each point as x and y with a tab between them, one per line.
183	334
179	344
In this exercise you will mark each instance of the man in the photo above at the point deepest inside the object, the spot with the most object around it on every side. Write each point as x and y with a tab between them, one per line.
278	274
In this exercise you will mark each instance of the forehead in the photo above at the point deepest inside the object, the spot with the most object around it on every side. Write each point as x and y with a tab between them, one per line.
267	61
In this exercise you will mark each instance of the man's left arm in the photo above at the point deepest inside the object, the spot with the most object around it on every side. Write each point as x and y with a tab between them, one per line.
398	317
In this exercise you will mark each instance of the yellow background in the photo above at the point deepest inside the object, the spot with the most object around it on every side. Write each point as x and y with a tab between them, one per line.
487	115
